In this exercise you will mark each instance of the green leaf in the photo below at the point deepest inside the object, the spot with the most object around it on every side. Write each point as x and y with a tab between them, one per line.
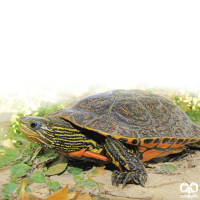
5	195
26	188
93	172
77	179
2	147
85	182
45	158
17	161
25	159
25	151
168	167
10	155
30	163
38	177
49	155
88	182
45	169
75	170
11	152
96	171
58	165
10	187
21	139
13	180
53	185
36	153
27	180
19	170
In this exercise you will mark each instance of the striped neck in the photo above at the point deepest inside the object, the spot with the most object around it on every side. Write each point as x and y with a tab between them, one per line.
53	132
65	137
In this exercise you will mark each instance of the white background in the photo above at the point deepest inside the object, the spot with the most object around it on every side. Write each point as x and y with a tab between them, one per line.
76	71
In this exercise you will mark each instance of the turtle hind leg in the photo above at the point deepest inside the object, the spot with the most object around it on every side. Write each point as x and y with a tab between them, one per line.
130	167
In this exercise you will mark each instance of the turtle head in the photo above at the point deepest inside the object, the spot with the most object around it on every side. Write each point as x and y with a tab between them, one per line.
52	132
36	129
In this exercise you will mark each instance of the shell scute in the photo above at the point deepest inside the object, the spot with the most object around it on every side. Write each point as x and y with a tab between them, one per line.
145	132
123	131
102	124
133	114
130	111
158	112
97	104
165	131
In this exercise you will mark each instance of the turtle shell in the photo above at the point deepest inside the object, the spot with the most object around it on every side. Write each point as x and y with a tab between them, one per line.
134	117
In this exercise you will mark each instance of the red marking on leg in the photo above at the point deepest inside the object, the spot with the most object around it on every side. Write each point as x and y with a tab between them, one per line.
96	156
87	154
78	154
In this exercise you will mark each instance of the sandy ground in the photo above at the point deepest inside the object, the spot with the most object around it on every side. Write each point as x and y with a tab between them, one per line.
161	185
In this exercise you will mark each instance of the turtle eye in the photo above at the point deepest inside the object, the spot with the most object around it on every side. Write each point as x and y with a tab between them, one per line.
35	125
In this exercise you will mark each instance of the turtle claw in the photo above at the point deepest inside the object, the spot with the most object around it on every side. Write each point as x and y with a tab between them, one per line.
125	177
141	183
114	177
121	176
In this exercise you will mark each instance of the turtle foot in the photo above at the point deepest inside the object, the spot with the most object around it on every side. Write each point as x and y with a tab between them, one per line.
128	176
130	167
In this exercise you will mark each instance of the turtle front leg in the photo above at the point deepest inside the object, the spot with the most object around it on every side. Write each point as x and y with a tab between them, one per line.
131	168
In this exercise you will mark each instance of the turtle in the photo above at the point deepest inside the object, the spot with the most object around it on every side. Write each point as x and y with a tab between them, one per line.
124	127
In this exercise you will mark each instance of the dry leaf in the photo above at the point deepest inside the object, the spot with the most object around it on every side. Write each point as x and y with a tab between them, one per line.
96	171
71	195
23	195
61	194
76	195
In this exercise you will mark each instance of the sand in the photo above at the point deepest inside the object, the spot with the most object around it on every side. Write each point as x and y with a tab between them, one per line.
161	185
